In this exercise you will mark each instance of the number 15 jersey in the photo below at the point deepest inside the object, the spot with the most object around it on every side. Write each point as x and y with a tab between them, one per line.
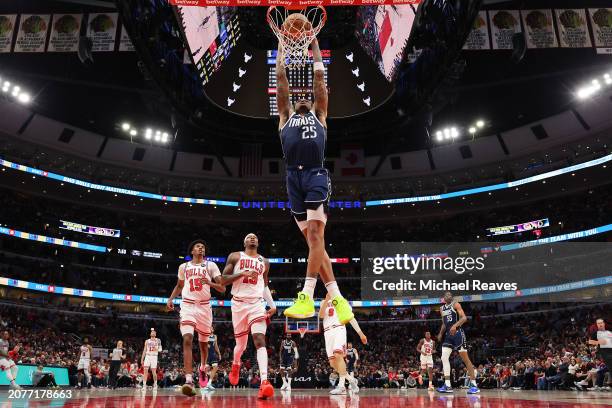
194	289
303	139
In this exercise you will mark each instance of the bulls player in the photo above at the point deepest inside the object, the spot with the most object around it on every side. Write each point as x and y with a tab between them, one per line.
152	347
248	311
426	348
453	317
84	363
335	344
6	362
288	355
195	278
303	135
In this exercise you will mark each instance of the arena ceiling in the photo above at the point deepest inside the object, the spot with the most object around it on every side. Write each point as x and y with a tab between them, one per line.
117	88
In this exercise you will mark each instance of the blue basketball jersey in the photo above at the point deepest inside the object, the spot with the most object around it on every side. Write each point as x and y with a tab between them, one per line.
303	141
449	315
212	339
287	347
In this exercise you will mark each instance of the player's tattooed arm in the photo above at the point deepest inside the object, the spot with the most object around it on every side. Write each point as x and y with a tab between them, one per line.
177	289
282	89
462	318
320	88
228	276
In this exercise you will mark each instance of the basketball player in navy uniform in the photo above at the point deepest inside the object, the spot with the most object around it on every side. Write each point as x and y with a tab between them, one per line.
288	355
303	134
453	317
352	357
212	364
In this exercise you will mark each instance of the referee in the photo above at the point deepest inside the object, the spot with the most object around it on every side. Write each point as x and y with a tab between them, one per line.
117	356
602	338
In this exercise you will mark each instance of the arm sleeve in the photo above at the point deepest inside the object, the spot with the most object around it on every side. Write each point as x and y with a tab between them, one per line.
297	355
355	325
214	270
268	297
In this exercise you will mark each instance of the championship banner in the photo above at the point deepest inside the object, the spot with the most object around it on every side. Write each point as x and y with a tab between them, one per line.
32	33
513	229
539	29
573	29
7	28
601	21
88	229
102	29
65	32
125	43
504	24
288	3
479	36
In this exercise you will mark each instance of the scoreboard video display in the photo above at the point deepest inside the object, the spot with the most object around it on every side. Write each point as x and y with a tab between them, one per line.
211	32
300	79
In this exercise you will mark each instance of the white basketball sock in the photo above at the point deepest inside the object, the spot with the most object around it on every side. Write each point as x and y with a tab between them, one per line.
332	289
262	362
188	378
309	286
342	382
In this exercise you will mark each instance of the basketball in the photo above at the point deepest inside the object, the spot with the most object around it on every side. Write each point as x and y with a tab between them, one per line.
296	24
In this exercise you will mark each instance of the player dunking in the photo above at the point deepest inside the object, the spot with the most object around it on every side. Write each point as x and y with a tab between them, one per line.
195	278
84	363
213	358
288	355
303	135
426	348
6	363
152	347
248	311
335	344
453	317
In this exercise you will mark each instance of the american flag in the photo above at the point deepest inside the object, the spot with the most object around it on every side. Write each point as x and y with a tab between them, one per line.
250	161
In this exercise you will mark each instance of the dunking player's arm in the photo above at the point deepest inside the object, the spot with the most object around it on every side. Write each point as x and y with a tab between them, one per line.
283	103
320	89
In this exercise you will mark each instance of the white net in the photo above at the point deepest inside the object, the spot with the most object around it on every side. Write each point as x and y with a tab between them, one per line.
296	33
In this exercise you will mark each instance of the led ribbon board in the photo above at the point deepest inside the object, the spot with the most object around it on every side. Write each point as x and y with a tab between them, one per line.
39	287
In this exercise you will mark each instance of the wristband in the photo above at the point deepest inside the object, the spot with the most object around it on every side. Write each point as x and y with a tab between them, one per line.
318	66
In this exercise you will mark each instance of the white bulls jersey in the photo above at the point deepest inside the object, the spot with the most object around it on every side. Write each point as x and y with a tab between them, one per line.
194	289
427	348
153	347
249	288
85	353
330	319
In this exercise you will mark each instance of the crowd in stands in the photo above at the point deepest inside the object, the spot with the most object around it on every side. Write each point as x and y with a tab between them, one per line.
523	348
113	273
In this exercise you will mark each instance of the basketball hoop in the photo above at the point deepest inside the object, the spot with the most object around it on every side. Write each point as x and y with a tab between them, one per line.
302	331
295	30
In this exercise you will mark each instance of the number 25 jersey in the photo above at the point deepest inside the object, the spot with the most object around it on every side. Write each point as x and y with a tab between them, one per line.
303	140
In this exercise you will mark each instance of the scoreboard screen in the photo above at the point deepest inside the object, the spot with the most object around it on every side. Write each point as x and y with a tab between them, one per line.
211	33
300	79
